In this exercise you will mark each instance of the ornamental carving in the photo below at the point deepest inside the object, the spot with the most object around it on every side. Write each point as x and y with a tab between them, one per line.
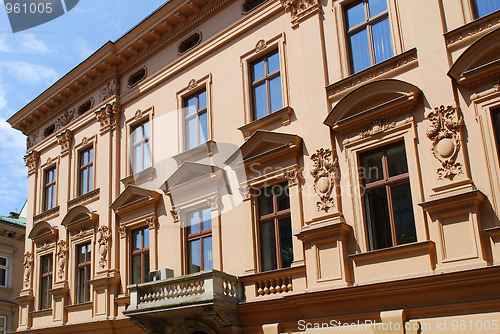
64	139
28	268
107	91
65	118
108	116
245	193
138	115
104	236
175	215
324	177
292	176
261	45
444	132
62	252
299	9
152	222
123	231
192	84
34	139
213	202
31	160
377	128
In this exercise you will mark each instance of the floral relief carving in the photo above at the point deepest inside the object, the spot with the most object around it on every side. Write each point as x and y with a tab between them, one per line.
108	116
444	132
108	90
64	139
175	215
377	128
192	84
34	139
324	177
65	118
261	45
152	222
28	268
31	160
62	251
299	8
104	236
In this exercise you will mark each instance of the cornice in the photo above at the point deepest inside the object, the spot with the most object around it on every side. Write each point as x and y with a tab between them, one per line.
467	34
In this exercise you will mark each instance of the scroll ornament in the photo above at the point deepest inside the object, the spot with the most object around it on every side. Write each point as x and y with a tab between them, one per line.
103	239
444	132
324	178
28	268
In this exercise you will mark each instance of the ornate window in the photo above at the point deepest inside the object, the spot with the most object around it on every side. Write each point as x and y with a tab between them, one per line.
368	33
199	240
387	196
86	171
83	269
485	7
140	147
140	255
275	227
46	281
195	119
266	85
4	271
49	189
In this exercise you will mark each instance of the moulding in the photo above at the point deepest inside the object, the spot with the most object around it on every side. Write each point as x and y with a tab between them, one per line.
470	32
272	121
46	215
84	199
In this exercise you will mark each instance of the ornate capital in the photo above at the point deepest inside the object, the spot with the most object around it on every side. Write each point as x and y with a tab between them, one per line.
292	176
62	251
31	160
152	222
108	116
104	236
300	9
245	193
325	162
64	139
213	203
444	132
123	231
28	268
175	215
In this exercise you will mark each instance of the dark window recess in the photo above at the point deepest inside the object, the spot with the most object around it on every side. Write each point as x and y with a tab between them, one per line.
50	130
189	43
84	107
136	77
495	117
250	5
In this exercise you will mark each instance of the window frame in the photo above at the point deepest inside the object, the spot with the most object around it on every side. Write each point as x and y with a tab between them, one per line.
140	116
3	329
48	275
89	165
49	187
87	266
196	114
7	270
202	234
140	252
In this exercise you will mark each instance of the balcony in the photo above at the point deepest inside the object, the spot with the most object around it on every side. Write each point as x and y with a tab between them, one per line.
201	302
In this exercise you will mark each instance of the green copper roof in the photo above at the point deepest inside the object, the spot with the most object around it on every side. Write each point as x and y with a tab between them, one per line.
20	222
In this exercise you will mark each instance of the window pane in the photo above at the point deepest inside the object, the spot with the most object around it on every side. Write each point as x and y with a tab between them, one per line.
137	240
84	181
273	63
3	261
266	201
146	129
147	157
258	70
136	269
286	251
371	167
485	7
403	214
146	238
396	160
191	133
46	264
90	185
146	267
382	42
202	100
360	52
282	197
356	15
377	6
84	158
3	277
43	293
276	99
87	284
191	105
268	246
260	101
379	228
203	128
81	285
194	222
194	256
81	254
207	218
91	154
2	322
207	254
137	163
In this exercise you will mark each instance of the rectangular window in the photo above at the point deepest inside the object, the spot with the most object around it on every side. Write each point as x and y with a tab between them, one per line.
3	325
3	271
275	227
83	269
368	33
140	147
86	171
266	85
199	240
485	7
46	282
195	119
387	197
495	118
49	189
140	255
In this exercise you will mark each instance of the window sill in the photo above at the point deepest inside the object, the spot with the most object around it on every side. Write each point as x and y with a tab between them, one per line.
41	313
146	175
277	119
196	153
6	289
46	215
79	307
470	32
84	199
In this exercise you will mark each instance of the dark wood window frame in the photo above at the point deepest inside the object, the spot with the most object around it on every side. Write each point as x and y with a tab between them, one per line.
48	276
49	188
197	114
142	143
86	267
202	234
89	166
141	252
264	80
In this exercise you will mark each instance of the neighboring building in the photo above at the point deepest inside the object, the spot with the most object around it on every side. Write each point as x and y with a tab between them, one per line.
265	166
12	231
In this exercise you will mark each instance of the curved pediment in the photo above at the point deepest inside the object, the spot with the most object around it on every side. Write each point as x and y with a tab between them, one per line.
135	198
43	231
480	63
374	101
79	216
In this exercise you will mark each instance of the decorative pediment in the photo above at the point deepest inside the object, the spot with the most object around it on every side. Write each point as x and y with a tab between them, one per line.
78	217
189	172
375	101
43	231
480	63
134	198
266	145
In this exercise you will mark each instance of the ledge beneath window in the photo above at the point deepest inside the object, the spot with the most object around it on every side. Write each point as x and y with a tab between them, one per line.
146	175
41	313
470	32
84	199
79	307
197	153
46	215
399	262
272	121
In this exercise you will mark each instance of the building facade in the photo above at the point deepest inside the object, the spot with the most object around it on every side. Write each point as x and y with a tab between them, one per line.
234	166
12	232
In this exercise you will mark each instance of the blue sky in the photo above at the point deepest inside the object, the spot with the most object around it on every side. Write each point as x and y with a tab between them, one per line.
32	60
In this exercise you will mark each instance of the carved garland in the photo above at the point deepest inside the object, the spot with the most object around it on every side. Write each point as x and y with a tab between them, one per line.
444	132
324	177
103	239
28	268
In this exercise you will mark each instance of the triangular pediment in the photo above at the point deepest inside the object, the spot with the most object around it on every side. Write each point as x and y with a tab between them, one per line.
134	197
263	143
373	101
43	230
188	172
480	63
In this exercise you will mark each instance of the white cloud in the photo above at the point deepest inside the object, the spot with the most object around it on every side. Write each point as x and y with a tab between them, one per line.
29	43
4	47
29	73
83	48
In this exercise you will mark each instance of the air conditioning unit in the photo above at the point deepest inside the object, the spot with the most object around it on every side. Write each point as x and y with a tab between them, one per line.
160	274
